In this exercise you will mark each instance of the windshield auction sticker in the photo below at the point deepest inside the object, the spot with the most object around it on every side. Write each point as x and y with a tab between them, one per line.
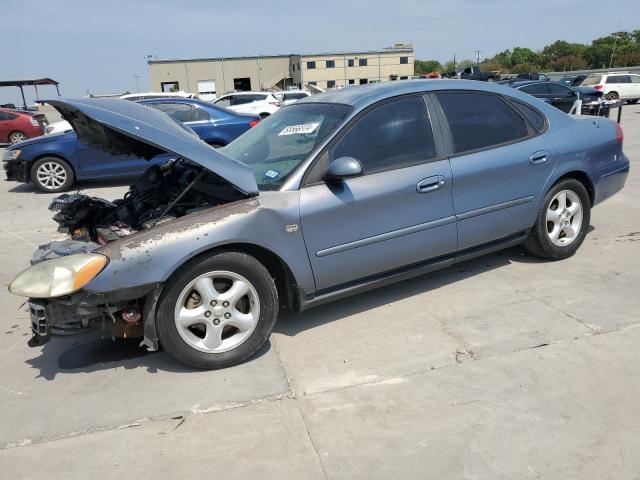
299	129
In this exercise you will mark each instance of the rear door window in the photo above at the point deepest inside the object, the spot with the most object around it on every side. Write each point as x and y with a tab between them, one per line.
536	89
199	114
177	111
559	90
478	121
618	79
391	136
224	101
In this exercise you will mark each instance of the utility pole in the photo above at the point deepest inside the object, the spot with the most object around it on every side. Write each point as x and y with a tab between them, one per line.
614	49
477	58
454	62
137	84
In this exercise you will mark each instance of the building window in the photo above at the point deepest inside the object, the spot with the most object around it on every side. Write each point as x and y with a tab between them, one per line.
351	62
364	81
294	67
311	65
331	83
312	83
170	86
331	64
352	81
362	62
404	78
404	60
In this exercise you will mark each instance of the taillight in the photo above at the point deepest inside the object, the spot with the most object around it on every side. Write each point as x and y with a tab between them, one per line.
619	133
253	123
598	87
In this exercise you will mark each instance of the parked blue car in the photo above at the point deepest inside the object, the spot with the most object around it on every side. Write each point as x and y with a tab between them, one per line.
54	163
338	193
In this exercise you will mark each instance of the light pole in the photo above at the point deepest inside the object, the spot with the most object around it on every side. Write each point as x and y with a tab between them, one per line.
137	83
477	58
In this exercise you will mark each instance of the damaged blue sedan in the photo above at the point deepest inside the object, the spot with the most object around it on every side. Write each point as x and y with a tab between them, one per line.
339	193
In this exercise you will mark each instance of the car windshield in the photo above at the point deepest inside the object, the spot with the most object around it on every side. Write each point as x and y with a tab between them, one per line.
279	143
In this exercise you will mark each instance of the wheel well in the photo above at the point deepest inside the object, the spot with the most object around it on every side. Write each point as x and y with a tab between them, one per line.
51	155
584	179
279	270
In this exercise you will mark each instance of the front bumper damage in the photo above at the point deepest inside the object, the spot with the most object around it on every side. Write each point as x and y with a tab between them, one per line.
128	313
16	170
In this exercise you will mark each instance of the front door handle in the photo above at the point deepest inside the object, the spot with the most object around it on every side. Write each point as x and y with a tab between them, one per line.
430	184
539	158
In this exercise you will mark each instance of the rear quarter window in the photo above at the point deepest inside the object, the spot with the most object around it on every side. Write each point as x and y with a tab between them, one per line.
592	80
478	121
536	119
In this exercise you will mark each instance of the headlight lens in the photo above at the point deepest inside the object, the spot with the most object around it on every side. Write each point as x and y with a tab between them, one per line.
11	154
59	276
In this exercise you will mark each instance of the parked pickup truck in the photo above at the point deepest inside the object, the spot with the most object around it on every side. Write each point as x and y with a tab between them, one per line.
474	73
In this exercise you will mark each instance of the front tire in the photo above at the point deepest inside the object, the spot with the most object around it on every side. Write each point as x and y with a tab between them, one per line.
562	222
52	175
217	311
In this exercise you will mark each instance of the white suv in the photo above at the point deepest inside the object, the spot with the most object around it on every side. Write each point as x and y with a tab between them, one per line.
292	96
255	103
616	85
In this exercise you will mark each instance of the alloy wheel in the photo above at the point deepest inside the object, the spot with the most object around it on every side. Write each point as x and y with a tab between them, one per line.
16	137
51	175
217	311
564	218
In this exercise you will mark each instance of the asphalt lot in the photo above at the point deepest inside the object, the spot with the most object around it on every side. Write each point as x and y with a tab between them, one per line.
503	367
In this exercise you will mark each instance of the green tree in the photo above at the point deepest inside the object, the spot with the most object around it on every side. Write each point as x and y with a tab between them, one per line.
422	67
560	49
521	55
617	49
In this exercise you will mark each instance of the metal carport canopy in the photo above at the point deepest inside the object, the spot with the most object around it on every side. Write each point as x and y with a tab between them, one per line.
33	82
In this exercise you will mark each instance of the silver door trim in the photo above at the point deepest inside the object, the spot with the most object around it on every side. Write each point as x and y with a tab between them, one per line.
386	236
494	208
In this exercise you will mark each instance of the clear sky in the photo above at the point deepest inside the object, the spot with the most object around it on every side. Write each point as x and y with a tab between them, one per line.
100	45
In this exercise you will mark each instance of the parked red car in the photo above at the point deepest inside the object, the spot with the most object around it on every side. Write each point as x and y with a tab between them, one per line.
16	125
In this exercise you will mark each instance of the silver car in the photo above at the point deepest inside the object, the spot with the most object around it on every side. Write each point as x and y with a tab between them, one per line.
339	193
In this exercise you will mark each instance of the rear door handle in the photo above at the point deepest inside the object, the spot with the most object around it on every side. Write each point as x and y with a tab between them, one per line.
430	184
539	158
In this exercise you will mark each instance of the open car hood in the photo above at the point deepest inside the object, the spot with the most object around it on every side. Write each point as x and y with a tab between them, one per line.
122	127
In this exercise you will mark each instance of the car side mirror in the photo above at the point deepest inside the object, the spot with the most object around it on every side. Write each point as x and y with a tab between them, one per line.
343	168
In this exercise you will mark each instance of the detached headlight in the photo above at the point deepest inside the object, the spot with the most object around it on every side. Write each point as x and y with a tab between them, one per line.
59	276
11	154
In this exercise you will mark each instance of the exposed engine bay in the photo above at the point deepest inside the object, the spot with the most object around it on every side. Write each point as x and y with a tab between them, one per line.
162	193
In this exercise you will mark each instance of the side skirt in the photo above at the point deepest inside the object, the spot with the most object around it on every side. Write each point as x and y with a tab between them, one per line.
387	278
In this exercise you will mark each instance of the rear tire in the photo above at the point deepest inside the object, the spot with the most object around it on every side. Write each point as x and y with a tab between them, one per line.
52	175
612	96
633	102
562	222
217	311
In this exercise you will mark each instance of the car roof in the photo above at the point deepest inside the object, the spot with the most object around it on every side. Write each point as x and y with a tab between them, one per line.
248	93
364	95
19	112
192	101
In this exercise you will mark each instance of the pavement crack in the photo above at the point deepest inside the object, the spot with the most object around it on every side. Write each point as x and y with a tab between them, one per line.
313	444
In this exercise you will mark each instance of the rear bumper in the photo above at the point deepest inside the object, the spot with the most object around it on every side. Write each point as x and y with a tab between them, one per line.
16	171
611	179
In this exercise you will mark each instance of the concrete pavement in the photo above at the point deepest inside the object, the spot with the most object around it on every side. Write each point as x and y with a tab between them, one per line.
502	367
